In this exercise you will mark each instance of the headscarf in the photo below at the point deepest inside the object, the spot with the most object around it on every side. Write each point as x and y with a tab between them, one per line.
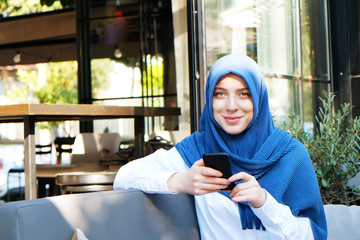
274	158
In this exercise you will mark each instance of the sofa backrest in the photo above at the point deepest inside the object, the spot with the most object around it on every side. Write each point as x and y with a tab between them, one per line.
343	222
107	215
129	214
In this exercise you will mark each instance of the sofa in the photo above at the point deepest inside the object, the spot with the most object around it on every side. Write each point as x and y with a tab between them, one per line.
101	215
129	214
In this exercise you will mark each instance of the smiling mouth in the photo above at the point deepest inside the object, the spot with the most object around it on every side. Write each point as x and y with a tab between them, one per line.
232	119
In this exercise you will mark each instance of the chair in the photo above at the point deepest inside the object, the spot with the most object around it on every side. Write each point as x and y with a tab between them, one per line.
46	186
39	150
63	145
43	149
86	155
88	146
12	171
80	182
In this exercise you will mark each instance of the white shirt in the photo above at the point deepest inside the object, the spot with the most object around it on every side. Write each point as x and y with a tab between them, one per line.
218	216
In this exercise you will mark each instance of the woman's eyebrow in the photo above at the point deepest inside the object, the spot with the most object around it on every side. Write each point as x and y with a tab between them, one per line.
244	88
226	89
220	88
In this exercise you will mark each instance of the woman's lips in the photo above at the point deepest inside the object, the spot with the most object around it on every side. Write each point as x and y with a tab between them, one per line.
232	119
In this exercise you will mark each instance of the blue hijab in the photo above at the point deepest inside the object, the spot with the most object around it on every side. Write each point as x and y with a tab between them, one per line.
280	163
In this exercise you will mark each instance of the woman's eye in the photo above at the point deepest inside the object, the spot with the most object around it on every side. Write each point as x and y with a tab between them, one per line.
245	94
219	94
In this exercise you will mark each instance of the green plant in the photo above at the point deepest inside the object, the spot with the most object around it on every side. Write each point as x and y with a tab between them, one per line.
334	150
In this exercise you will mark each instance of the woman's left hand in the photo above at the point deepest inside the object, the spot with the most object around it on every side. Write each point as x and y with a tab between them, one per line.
247	191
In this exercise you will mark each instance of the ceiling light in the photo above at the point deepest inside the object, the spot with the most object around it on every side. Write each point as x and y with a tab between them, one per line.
17	57
117	53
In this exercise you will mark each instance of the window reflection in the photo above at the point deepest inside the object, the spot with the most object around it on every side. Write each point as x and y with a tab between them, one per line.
270	32
132	44
19	8
131	52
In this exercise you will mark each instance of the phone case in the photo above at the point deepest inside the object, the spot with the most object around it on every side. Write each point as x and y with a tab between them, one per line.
219	161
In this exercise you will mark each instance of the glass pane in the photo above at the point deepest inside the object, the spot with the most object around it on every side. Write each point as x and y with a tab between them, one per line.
278	45
18	8
104	8
132	57
134	51
314	43
283	97
268	32
315	59
312	90
354	27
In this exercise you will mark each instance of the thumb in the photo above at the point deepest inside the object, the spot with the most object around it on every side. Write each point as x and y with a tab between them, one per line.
199	163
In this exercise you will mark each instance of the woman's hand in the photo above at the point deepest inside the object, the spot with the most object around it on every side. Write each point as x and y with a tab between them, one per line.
247	191
197	180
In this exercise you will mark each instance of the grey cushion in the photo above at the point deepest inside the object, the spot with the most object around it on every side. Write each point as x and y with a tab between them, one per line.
343	222
101	215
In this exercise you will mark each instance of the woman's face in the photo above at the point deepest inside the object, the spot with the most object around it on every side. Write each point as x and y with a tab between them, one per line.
232	104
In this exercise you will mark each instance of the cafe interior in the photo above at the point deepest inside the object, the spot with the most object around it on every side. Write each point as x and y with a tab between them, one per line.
76	73
88	85
117	97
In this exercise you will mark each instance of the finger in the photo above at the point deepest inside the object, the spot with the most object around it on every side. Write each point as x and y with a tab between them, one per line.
199	163
247	185
255	197
203	191
214	180
200	168
203	188
236	193
250	184
240	176
241	198
207	171
213	187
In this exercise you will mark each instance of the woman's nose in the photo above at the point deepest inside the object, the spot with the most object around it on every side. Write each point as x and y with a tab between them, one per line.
231	103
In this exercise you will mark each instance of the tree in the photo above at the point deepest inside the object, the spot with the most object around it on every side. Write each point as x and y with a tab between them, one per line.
334	150
16	8
64	3
56	83
47	83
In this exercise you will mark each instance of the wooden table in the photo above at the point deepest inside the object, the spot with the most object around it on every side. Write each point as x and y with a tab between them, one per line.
47	174
31	113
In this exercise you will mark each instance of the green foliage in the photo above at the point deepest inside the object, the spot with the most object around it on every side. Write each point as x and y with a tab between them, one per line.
16	7
48	83
334	150
100	69
61	86
153	77
64	3
54	83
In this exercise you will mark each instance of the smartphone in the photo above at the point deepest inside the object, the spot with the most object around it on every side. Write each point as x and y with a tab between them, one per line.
220	162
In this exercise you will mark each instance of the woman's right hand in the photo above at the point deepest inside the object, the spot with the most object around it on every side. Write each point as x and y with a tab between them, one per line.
198	180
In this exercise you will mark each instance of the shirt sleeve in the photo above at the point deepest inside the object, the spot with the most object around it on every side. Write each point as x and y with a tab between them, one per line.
150	174
279	219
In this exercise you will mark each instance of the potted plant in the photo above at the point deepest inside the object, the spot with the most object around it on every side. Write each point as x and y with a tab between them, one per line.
334	150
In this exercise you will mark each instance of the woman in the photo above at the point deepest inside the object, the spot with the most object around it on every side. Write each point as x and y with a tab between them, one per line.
276	194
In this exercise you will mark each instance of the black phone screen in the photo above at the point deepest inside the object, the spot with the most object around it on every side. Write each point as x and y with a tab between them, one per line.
220	162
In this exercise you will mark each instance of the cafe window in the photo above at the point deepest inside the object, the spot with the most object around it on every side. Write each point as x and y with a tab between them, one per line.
12	8
132	44
280	36
131	55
